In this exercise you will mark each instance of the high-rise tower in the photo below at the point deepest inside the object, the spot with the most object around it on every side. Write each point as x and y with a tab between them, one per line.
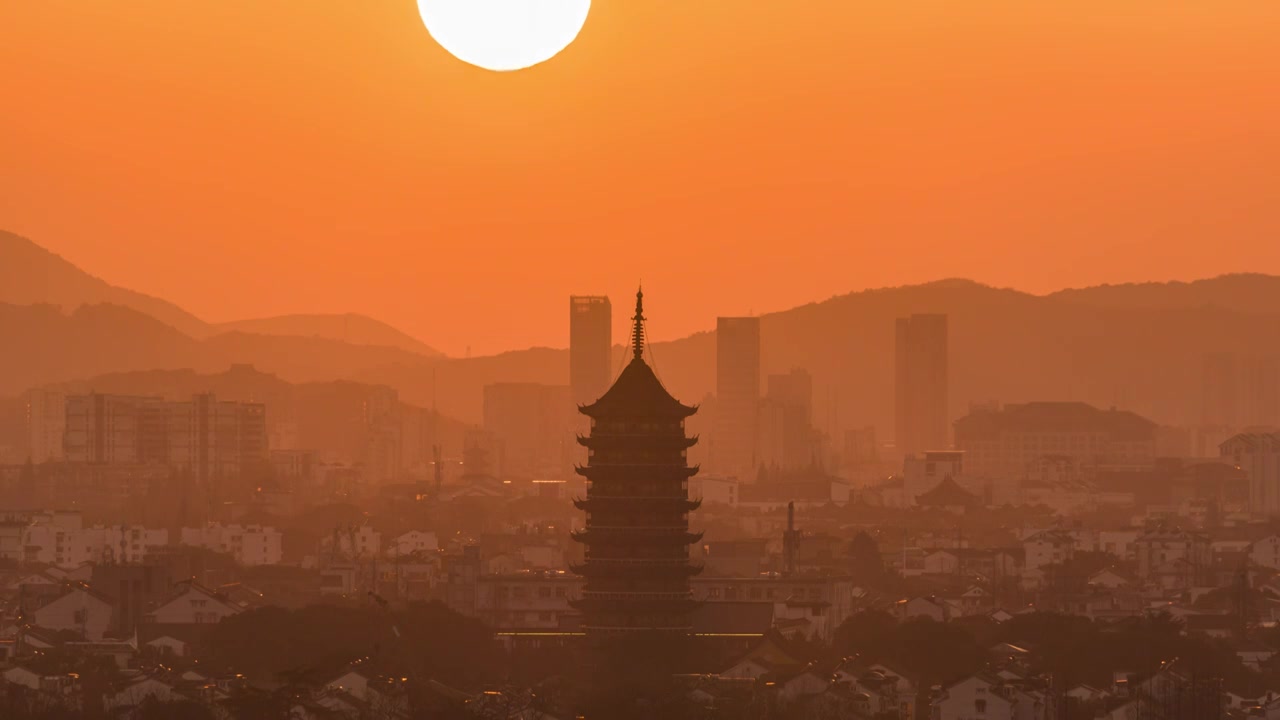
637	535
920	384
590	347
733	450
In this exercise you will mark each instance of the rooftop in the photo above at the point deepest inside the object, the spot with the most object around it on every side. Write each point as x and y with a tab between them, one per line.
1042	417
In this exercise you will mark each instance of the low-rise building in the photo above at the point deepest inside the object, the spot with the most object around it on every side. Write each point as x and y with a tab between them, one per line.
819	603
250	545
193	604
79	610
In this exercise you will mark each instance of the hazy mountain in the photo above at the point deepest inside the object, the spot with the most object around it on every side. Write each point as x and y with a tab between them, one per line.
31	275
349	328
44	344
311	359
1005	345
1243	292
1135	346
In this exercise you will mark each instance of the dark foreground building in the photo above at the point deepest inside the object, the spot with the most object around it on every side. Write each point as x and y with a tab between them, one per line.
637	535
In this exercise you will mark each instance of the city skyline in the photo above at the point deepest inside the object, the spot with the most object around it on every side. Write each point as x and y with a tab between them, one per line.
187	169
921	361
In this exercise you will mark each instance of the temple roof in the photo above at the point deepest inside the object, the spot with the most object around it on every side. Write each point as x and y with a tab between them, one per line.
947	493
637	393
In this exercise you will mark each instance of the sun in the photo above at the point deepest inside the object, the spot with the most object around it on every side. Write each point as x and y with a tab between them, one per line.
504	34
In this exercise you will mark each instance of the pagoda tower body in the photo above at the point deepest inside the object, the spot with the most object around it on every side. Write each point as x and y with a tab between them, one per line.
637	535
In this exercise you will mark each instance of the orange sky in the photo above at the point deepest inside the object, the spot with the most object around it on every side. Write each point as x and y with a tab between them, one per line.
255	157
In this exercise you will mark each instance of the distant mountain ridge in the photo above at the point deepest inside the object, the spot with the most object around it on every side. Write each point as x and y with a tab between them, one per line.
349	328
1138	347
1241	292
32	275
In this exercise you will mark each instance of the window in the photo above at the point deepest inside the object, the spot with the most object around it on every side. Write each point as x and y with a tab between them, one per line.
980	706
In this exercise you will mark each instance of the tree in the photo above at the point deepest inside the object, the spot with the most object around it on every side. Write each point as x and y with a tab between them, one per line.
865	633
865	563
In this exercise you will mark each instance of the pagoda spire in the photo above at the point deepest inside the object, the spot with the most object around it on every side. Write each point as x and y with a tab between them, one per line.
637	332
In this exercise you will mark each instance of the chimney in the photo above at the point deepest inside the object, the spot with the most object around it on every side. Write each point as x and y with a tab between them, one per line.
790	542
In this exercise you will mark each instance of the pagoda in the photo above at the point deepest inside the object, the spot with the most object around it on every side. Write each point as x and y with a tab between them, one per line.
637	535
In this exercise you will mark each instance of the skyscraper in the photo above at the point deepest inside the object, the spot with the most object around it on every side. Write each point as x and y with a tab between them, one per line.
637	533
920	384
46	418
786	439
590	347
534	424
737	396
1263	391
1220	389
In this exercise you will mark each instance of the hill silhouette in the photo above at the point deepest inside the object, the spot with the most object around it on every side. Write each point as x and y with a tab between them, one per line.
32	275
44	344
350	328
1005	345
1242	292
95	340
1139	347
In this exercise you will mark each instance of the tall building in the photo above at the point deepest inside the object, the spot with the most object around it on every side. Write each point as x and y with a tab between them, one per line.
1012	442
46	419
590	347
793	389
636	559
105	429
1263	391
1220	377
1259	455
534	425
1239	391
920	384
204	436
734	450
787	439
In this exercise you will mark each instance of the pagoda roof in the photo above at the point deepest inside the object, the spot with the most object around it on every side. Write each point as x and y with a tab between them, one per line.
947	493
637	393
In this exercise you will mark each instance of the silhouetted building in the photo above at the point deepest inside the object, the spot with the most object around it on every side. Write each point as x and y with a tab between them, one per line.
794	389
211	438
1220	390
1010	443
787	439
1262	382
737	396
104	429
46	424
1258	454
636	560
920	384
204	436
860	446
926	471
533	423
590	347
